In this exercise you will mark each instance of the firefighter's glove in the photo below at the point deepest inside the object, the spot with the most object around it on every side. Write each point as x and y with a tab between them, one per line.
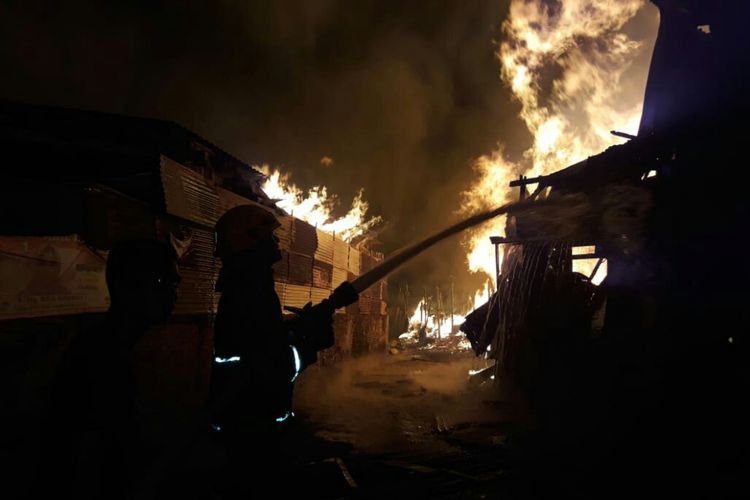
312	330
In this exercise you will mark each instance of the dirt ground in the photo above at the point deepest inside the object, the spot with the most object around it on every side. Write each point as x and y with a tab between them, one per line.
413	423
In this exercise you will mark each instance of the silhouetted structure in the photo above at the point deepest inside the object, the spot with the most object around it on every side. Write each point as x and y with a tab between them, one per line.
658	388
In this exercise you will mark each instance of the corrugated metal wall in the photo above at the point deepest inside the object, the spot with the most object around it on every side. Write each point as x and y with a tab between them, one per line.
313	263
188	194
199	270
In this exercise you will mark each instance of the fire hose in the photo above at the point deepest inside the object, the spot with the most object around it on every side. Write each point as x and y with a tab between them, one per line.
347	293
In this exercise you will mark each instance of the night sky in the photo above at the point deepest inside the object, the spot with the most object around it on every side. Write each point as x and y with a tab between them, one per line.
401	95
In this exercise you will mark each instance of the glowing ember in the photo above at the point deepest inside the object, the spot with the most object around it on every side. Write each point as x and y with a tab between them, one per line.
564	66
316	205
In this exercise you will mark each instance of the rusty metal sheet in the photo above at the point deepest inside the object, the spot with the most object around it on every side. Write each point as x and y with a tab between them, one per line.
284	233
281	268
338	276
324	251
300	269
198	269
318	294
368	305
304	238
366	262
354	261
296	295
322	276
229	200
280	289
340	254
188	195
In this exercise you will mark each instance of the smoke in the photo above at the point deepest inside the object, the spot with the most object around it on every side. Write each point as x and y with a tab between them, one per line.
402	97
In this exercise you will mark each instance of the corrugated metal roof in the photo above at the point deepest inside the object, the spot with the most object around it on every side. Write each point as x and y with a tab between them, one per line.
130	145
187	194
324	251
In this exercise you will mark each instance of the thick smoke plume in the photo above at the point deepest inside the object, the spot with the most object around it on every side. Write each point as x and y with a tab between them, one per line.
395	97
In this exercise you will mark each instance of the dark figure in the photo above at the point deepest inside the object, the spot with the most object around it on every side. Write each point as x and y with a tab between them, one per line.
97	451
257	356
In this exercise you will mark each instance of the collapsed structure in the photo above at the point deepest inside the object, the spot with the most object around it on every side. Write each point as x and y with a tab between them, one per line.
75	182
655	352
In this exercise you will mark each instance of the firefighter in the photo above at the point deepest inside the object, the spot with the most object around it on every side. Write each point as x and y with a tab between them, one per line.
94	448
258	355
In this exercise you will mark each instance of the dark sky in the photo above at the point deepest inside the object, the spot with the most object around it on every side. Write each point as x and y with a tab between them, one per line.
403	95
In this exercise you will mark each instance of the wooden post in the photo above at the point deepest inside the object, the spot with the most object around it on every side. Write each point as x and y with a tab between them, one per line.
452	310
438	309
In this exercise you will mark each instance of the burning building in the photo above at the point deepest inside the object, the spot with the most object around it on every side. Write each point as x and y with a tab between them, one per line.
634	364
76	182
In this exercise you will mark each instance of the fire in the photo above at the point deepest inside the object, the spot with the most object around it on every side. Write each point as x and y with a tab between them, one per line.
564	64
316	205
431	323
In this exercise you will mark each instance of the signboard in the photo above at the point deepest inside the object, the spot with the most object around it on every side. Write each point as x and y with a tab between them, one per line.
49	276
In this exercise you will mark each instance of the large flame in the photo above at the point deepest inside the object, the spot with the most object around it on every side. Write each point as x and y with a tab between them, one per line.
316	206
564	63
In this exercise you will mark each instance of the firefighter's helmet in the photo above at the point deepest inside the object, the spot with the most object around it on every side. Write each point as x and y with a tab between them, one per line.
241	228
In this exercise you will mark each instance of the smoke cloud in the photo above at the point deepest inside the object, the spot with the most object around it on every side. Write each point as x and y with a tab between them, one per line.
402	97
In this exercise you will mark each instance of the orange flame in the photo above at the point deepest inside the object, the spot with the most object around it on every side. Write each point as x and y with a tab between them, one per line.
316	206
570	114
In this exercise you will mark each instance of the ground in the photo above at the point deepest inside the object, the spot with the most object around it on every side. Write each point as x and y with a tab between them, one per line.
410	423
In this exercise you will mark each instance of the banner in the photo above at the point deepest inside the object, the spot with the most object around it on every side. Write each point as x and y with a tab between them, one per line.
50	276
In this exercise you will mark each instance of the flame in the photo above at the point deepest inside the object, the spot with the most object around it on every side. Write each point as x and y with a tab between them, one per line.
432	323
315	206
564	65
416	320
